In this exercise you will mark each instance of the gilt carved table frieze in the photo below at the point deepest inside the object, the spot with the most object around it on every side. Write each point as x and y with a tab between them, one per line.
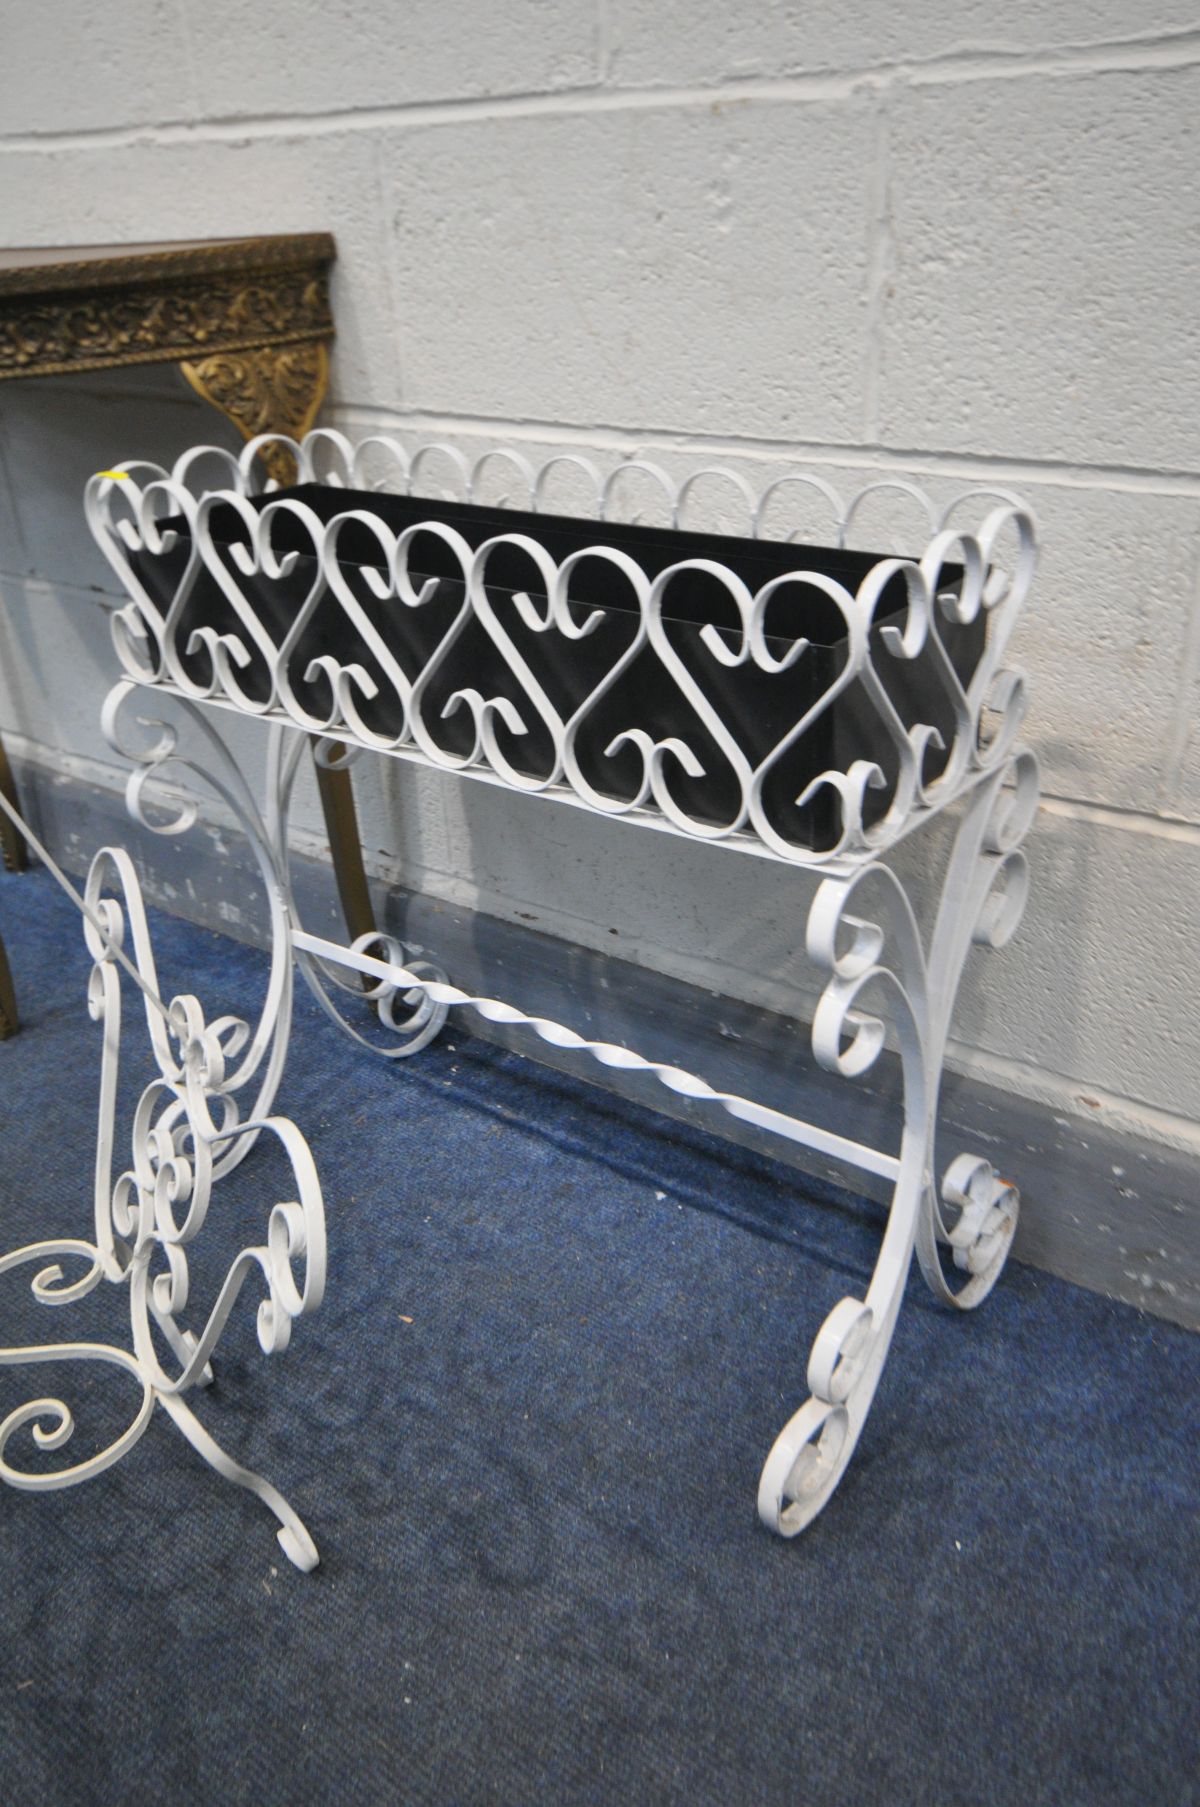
248	320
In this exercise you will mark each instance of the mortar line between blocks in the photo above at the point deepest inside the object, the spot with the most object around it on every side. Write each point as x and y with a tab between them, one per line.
606	436
1165	51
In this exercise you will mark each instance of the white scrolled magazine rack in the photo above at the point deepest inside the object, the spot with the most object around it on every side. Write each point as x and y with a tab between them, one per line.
187	1134
812	706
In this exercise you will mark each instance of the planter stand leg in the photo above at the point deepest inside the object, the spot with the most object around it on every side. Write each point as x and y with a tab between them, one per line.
862	930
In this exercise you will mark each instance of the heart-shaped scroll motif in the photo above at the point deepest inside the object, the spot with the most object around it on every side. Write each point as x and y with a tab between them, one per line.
673	751
626	568
124	509
817	712
849	786
263	581
950	608
488	714
911	742
398	626
309	671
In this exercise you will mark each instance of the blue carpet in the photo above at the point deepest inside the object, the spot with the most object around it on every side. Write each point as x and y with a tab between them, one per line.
526	1429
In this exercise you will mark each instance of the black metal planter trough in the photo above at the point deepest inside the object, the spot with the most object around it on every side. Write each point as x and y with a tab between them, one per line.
697	653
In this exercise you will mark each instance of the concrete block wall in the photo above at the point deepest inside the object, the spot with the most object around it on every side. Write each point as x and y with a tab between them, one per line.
947	240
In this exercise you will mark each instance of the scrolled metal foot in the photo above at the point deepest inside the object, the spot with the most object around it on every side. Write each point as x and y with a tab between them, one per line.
293	1536
812	1451
805	1465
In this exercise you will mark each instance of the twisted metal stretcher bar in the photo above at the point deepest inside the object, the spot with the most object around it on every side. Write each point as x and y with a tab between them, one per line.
608	1054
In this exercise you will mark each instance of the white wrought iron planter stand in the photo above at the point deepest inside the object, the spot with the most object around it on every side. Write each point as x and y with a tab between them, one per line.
862	932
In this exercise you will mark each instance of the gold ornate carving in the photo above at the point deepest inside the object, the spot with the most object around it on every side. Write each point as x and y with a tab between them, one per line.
103	312
84	268
277	389
51	337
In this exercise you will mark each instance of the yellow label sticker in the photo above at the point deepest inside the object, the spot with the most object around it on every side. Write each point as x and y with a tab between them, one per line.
117	476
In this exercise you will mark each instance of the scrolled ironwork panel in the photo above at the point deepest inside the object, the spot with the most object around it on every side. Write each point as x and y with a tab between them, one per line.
817	703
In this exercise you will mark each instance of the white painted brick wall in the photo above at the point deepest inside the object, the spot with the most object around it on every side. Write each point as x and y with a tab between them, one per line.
1041	293
948	238
639	267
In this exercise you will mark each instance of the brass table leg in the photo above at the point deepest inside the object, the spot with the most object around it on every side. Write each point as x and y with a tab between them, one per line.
279	389
9	1023
15	855
345	845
